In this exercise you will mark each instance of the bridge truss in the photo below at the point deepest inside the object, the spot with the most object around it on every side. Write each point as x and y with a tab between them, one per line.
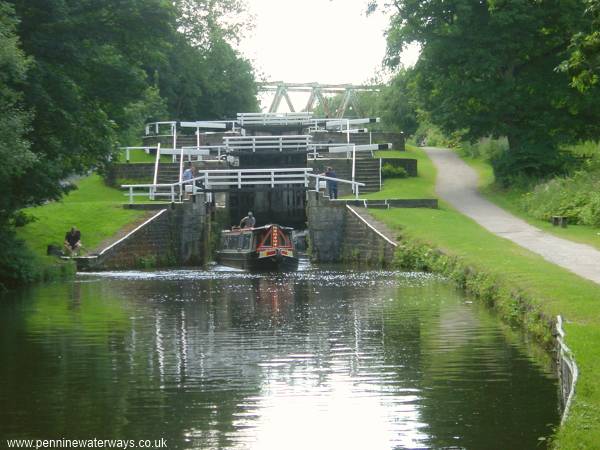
317	91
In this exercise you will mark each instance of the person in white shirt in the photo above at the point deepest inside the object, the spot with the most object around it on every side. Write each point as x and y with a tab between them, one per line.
249	221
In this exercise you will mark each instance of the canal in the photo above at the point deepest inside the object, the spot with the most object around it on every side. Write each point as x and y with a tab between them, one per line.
319	359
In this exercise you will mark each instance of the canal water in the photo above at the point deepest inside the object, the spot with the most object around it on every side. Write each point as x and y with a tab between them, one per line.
318	359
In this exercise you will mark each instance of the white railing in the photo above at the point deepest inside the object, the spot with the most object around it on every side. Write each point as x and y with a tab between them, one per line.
273	119
304	119
319	178
226	178
156	163
188	150
568	371
278	143
204	150
234	179
129	149
154	128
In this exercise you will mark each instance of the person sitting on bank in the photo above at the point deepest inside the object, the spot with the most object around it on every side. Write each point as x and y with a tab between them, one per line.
249	221
72	242
332	187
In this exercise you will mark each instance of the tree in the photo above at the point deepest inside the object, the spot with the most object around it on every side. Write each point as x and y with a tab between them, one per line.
399	103
93	74
488	69
15	152
89	60
204	76
583	64
206	22
213	83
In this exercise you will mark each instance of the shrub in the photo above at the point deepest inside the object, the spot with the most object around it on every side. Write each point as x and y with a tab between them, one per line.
485	148
576	197
532	162
429	135
390	171
16	261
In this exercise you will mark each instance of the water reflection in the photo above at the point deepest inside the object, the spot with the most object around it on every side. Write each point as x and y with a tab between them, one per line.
221	359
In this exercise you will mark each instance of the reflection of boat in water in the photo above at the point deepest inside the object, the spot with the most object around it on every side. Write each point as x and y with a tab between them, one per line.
263	248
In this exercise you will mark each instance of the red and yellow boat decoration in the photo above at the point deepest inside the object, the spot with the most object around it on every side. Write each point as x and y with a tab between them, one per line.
270	247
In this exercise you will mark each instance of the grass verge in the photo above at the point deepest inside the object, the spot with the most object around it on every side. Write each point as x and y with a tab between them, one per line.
510	199
94	208
140	156
522	286
422	186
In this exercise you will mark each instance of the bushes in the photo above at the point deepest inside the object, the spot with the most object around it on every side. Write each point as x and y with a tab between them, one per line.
390	171
16	261
576	197
530	163
486	148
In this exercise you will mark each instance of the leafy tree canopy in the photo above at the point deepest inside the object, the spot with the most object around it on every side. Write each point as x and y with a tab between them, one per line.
80	77
15	153
583	63
489	69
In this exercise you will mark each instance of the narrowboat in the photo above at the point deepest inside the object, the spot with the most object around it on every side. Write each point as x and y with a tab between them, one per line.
269	247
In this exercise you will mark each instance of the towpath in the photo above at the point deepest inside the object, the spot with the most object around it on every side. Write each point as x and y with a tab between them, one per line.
457	185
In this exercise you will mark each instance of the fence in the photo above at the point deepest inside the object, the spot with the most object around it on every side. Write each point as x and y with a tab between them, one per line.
209	180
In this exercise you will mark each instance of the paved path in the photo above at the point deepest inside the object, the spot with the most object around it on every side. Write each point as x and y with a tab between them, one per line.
457	184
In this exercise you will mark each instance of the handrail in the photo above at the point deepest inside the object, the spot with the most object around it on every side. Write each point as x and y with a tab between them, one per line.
353	162
254	143
273	118
239	178
128	149
210	124
156	164
355	184
565	361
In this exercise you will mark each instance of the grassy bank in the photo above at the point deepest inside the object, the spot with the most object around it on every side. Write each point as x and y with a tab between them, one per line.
510	199
140	156
422	186
522	286
94	208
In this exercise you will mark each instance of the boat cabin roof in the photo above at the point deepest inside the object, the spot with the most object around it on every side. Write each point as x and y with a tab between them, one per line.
264	227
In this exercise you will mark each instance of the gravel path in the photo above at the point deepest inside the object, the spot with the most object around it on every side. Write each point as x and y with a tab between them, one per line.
457	184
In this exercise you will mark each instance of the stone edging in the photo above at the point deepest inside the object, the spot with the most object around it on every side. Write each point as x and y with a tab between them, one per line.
155	216
379	233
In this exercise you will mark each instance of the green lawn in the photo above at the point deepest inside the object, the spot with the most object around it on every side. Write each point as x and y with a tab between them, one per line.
412	187
509	199
555	290
94	208
140	156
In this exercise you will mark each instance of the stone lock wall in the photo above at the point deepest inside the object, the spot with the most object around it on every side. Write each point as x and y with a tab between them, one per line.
364	246
337	234
326	227
175	236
